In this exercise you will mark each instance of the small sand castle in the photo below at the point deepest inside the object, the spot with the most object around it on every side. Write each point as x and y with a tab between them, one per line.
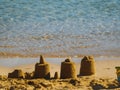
68	69
42	69
16	74
56	75
87	66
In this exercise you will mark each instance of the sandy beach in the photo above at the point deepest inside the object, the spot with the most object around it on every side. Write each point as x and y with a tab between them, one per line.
58	30
105	77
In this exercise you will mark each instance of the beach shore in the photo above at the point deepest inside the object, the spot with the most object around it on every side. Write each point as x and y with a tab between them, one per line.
105	76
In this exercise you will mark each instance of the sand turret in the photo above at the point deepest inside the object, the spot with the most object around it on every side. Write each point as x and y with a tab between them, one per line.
87	66
42	60
42	69
68	69
16	74
56	75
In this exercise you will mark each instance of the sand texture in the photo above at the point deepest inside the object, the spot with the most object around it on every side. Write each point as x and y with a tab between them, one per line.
104	78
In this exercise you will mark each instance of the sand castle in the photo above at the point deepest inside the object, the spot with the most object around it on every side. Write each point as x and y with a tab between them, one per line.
56	75
87	66
42	69
16	74
68	69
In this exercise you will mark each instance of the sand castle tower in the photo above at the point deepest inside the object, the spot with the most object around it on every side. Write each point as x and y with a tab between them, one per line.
87	66
42	69
16	74
68	69
56	75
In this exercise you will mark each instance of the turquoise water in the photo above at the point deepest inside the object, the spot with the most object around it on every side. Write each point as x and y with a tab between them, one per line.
60	27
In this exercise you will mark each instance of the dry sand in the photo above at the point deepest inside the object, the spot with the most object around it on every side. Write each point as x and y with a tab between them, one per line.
105	78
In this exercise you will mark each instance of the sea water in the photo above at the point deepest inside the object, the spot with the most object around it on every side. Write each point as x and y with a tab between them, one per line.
60	27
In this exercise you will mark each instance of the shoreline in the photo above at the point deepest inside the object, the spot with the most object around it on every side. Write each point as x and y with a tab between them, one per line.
14	55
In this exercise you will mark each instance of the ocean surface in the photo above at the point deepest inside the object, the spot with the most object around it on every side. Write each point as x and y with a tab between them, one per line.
60	27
